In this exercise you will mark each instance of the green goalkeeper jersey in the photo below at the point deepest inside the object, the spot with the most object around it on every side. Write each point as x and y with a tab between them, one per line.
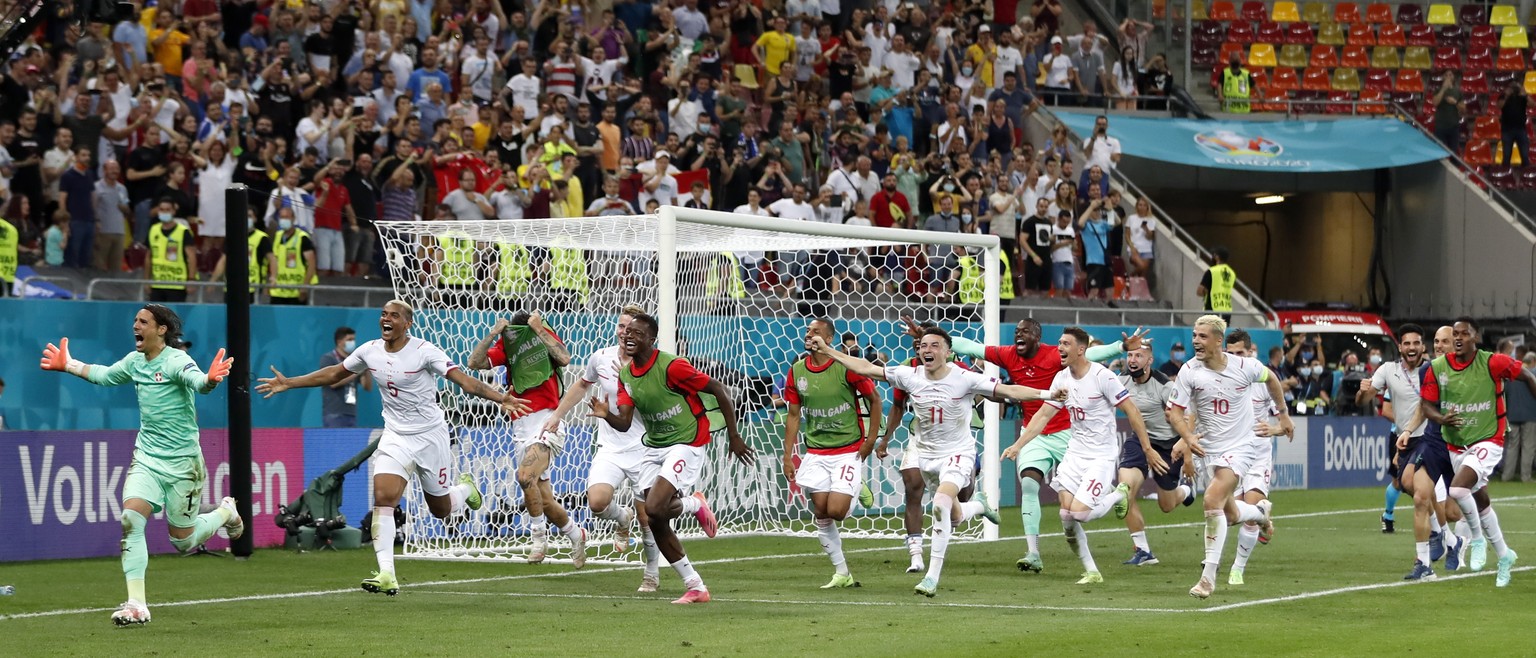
165	386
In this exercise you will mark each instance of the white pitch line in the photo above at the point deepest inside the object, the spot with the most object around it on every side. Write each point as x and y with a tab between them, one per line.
840	602
1353	588
560	574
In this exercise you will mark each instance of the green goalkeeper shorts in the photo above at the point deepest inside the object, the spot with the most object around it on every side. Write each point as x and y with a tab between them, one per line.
1045	452
172	485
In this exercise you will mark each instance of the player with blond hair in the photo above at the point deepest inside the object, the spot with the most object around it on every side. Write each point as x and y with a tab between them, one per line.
1254	487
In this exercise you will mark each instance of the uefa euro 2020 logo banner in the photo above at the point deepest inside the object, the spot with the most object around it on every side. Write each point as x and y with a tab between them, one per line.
1228	145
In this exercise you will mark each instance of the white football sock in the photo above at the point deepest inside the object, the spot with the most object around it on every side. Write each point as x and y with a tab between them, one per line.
1105	506
968	510
1463	498
1139	539
652	553
539	524
456	496
1082	548
569	527
1247	512
1421	549
612	512
942	509
915	546
691	504
691	579
832	544
1434	523
1215	541
1492	531
1247	538
1183	492
383	530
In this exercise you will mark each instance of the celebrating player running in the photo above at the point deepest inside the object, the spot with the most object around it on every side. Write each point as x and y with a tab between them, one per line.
167	472
415	441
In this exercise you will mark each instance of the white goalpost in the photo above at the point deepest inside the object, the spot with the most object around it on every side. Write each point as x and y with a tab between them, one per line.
733	293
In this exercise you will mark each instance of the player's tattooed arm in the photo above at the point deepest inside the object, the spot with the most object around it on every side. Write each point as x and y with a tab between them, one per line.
857	365
478	359
557	351
513	405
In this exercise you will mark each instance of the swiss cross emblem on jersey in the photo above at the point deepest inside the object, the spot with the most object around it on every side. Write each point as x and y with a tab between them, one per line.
159	377
800	385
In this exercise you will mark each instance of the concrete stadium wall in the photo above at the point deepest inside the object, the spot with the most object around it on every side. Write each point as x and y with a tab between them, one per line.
1450	251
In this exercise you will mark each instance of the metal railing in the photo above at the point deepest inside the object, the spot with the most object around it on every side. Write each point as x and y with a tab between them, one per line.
198	290
1151	317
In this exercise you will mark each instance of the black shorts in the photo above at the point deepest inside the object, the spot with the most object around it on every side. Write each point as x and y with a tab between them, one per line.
1037	277
1431	455
1099	277
1131	456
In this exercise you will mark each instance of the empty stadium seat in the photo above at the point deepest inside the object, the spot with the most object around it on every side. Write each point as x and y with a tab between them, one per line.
1354	57
1202	56
1378	12
1478	153
1479	59
1315	12
1222	10
1530	82
1410	14
1417	57
1307	101
1421	35
1510	60
1384	57
1284	79
1373	101
1299	33
1209	33
1198	12
1500	176
1262	54
1503	15
1501	80
1340	102
1331	34
1407	99
1324	57
1470	14
1253	10
1269	33
1377	79
1442	15
1391	34
1240	32
1482	36
1346	79
1285	12
1514	36
1447	59
1474	82
1486	127
1528	179
1316	79
1409	80
1293	55
1361	34
1346	12
1451	35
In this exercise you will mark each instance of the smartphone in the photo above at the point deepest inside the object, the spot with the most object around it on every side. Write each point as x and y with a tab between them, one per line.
836	200
357	111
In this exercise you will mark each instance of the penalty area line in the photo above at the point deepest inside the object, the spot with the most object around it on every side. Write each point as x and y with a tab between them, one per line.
840	602
1345	590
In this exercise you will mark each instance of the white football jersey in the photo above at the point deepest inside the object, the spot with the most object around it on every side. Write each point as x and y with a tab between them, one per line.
1402	387
407	382
602	371
1091	405
1263	406
1220	403
942	407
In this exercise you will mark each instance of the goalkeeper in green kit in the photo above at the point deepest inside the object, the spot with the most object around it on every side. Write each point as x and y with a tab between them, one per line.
167	472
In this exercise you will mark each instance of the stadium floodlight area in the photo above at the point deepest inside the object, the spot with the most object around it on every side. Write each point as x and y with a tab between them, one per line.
733	293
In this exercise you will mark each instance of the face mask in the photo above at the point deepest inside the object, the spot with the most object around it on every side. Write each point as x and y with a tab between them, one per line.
1304	371
966	71
166	217
349	345
1375	359
966	218
284	224
949	187
1178	355
1306	355
250	223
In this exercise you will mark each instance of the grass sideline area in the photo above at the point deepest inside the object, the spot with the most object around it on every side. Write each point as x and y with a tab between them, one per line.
1329	584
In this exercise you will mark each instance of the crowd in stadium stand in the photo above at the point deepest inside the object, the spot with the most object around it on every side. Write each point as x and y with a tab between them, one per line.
340	112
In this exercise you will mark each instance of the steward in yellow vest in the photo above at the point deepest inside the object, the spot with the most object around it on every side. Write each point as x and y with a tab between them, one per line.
172	255
295	254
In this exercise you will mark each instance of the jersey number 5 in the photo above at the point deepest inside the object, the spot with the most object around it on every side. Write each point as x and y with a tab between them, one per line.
393	391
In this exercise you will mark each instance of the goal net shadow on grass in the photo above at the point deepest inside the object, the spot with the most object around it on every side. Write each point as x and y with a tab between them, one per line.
741	298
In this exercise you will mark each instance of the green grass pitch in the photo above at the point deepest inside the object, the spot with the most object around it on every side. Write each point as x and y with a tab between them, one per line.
1330	584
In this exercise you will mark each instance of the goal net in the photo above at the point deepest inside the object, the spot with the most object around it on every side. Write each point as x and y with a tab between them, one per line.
734	294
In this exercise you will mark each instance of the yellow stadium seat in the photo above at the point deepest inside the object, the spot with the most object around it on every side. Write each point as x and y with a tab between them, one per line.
1514	36
1384	57
1293	55
1417	57
1197	11
1503	15
1346	79
1530	82
1442	15
1285	12
1262	54
1316	12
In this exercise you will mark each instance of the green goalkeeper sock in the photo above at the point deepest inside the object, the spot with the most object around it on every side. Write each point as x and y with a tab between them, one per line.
135	553
1029	505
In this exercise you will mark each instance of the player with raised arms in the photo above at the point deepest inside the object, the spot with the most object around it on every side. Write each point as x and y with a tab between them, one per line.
1254	486
415	441
841	419
1083	480
533	356
1214	387
168	473
941	396
620	456
1028	365
1464	393
674	400
1149	392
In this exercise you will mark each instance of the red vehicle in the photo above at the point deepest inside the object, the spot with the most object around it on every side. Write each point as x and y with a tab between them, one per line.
1338	331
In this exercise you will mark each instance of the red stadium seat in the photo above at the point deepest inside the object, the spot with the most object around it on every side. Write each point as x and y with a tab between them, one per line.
1451	35
1409	80
1486	127
1421	35
1339	102
1447	59
1284	80
1299	33
1354	57
1324	56
1391	35
1478	153
1528	178
1499	176
1410	14
1203	56
1483	36
1346	12
1230	50
1372	102
1222	10
1510	60
1479	59
1269	33
1361	34
1471	14
1378	80
1501	80
1240	32
1378	12
1474	82
1210	32
1316	79
1255	11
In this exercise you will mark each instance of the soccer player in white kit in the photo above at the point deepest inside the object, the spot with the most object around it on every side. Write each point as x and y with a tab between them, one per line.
940	396
1083	479
415	441
1255	484
620	455
1214	387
